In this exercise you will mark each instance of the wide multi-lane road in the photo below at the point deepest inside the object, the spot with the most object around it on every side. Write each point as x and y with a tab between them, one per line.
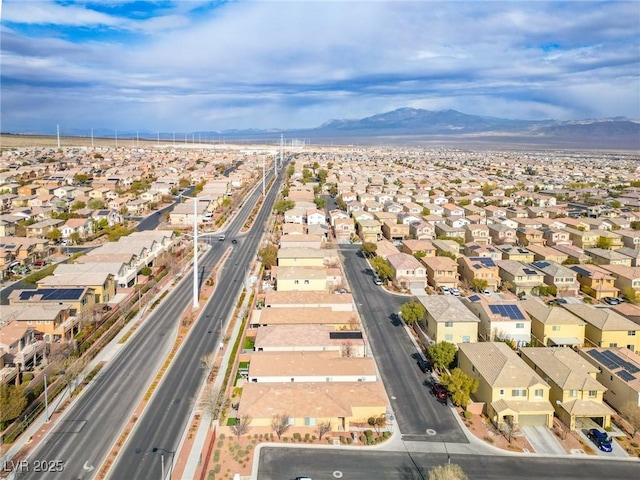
90	428
416	409
288	463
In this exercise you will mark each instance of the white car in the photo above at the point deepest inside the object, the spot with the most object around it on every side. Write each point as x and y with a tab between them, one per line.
445	290
454	291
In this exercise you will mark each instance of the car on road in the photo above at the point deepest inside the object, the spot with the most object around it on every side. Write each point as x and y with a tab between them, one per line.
377	280
424	366
221	238
611	300
600	439
234	241
440	392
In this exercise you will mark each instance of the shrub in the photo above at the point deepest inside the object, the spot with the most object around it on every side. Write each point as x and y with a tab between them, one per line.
386	435
634	444
368	434
468	414
306	437
349	440
297	437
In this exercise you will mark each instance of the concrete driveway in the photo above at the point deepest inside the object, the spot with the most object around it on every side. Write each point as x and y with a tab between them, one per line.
617	450
543	441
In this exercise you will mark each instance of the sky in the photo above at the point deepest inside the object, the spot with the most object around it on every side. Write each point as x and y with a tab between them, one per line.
195	65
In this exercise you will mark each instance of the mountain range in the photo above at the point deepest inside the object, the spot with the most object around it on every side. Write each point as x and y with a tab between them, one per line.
418	126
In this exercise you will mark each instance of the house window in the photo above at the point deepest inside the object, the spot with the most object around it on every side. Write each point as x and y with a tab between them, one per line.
296	282
613	344
519	392
448	324
573	393
309	421
519	325
593	393
502	392
538	393
631	333
466	339
555	328
291	421
448	337
306	282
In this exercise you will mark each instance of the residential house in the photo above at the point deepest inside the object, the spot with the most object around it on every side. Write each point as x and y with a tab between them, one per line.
392	230
304	299
422	230
420	248
554	326
21	345
477	234
82	226
595	281
43	228
606	328
520	278
300	278
310	367
584	239
315	217
601	256
407	271
301	256
441	271
102	283
369	230
51	321
448	320
561	277
479	269
554	236
619	372
502	234
574	254
519	254
575	393
512	392
500	320
308	338
339	320
529	236
309	404
625	278
541	253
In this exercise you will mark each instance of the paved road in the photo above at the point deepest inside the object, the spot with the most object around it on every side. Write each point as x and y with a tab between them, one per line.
90	428
288	463
166	417
415	408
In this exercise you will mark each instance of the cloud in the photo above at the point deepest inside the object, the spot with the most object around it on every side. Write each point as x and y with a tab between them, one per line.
217	65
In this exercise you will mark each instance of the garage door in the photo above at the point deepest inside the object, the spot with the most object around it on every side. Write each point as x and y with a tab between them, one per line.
532	420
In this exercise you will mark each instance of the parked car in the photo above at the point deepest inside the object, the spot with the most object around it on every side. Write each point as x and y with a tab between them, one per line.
440	392
454	291
611	300
39	263
445	290
377	280
486	292
557	301
601	439
424	366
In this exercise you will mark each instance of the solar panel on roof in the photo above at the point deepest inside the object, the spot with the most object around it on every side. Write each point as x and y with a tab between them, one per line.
541	264
474	298
529	271
626	376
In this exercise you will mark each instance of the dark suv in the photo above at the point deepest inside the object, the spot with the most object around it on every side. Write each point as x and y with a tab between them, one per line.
440	391
601	439
424	366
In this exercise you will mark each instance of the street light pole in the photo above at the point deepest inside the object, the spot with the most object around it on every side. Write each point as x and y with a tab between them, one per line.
162	464
196	303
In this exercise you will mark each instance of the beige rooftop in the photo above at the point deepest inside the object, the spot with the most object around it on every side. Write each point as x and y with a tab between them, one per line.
322	364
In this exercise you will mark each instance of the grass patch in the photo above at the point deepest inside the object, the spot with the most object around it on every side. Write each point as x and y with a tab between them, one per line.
249	344
231	422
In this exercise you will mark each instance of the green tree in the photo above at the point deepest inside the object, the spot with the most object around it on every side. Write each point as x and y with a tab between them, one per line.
80	178
290	171
369	249
342	205
284	192
604	242
322	176
480	284
426	211
96	204
460	386
412	312
269	256
146	271
441	354
450	471
320	202
382	268
75	238
306	174
54	235
184	182
77	205
12	402
282	206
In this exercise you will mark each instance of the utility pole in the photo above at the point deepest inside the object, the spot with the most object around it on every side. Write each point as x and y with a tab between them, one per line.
196	303
281	149
264	189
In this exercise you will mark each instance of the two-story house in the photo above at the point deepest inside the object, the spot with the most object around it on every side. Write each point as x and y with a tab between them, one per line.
441	271
575	392
473	269
512	392
449	320
554	326
561	277
606	328
520	278
595	281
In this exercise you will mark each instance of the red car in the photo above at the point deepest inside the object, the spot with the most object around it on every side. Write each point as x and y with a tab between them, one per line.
40	263
439	391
